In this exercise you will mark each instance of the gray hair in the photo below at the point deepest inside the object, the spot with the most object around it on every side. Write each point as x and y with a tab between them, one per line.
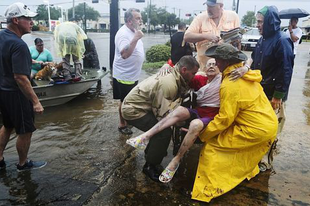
9	19
189	62
128	14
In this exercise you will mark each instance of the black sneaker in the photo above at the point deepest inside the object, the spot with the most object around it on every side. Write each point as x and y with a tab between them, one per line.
2	164
151	171
31	165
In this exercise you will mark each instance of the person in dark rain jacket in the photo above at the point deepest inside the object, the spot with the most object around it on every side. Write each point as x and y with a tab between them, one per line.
90	58
274	56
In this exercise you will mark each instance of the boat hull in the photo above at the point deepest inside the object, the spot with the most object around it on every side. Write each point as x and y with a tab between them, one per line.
57	94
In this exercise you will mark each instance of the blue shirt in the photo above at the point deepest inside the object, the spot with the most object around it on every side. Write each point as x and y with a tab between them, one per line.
44	56
14	59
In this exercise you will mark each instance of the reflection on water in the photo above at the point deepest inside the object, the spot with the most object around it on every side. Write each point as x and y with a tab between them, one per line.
19	185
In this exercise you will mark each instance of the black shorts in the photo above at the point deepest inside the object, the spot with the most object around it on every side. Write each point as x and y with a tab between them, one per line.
17	112
120	90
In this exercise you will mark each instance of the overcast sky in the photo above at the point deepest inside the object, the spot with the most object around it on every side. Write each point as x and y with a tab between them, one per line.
182	6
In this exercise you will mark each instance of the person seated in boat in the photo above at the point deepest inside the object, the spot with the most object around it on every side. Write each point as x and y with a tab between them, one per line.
69	40
40	56
207	90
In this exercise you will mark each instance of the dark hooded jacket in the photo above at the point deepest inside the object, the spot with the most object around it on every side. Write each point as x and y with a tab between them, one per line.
274	56
90	60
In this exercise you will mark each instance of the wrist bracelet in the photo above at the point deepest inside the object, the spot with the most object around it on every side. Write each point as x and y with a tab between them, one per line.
247	66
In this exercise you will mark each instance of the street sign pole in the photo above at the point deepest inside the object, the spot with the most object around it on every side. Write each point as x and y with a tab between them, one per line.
85	18
237	10
114	26
73	10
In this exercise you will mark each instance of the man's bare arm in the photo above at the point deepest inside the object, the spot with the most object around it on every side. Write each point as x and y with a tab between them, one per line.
197	37
127	51
25	86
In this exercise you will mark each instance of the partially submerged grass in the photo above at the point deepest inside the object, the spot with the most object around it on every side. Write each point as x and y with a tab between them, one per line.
152	65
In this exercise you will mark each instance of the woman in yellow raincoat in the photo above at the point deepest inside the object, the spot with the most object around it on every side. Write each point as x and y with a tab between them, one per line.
239	136
69	39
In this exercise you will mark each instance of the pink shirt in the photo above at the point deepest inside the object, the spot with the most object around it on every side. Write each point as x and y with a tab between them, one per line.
203	24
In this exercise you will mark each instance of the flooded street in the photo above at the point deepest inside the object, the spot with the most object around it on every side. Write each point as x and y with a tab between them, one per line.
90	164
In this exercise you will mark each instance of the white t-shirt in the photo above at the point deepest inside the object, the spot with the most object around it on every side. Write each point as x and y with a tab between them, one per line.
127	69
297	32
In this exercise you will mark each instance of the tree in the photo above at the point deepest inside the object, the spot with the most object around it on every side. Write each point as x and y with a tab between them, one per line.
91	13
172	19
249	19
159	16
43	13
188	21
153	17
166	18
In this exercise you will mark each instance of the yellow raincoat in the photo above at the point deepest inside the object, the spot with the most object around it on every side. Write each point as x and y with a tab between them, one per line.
238	137
69	39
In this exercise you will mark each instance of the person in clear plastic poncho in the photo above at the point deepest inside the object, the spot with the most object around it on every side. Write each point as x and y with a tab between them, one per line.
69	39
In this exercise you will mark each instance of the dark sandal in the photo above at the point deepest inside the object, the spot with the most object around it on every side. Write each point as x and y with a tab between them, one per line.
125	130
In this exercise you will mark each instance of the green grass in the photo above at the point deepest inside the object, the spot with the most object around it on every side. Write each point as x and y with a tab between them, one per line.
150	66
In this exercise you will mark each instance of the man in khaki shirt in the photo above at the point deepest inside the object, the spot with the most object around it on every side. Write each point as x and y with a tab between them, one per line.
207	26
151	100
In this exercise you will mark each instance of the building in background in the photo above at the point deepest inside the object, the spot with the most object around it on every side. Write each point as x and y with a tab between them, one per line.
306	26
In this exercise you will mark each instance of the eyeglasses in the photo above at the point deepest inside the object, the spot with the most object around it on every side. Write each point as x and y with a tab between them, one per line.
40	45
210	64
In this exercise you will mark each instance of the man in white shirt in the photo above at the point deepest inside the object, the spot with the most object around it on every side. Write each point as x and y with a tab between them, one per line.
294	32
128	60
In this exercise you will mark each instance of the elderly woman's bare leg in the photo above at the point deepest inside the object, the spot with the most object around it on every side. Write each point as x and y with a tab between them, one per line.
178	115
193	132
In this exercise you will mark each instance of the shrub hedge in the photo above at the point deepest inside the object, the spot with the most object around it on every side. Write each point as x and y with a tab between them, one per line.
158	53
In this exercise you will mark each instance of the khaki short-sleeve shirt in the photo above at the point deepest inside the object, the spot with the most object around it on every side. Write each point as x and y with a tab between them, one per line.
205	25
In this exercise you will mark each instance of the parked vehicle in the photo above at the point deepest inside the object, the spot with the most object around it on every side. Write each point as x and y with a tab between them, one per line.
250	39
3	25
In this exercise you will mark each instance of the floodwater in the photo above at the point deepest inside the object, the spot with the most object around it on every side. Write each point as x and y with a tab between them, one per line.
90	164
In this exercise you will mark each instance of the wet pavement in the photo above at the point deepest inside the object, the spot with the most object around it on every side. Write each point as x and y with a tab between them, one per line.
90	164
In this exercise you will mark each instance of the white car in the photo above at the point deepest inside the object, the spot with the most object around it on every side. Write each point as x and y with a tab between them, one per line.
250	39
